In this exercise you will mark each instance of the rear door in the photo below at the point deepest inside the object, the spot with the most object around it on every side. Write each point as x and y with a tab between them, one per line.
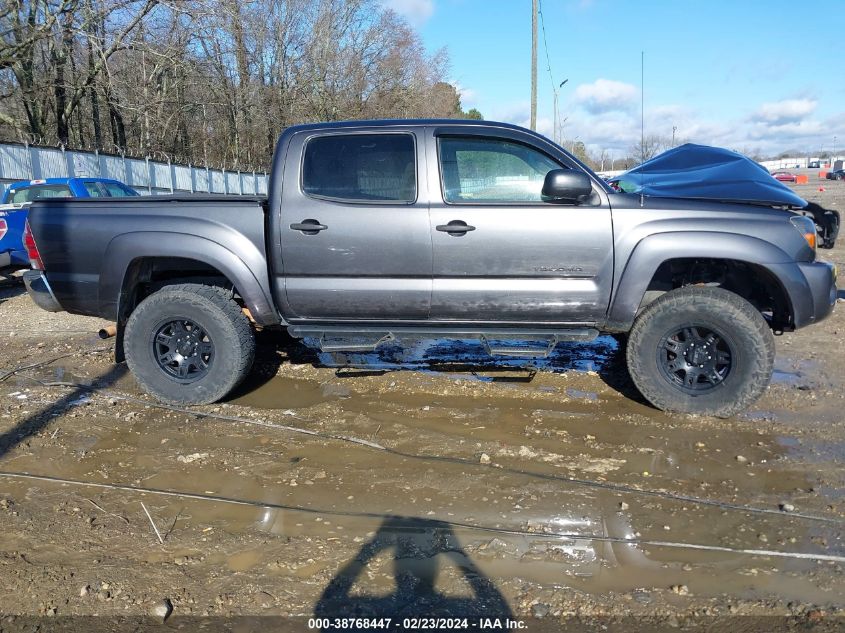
355	240
502	254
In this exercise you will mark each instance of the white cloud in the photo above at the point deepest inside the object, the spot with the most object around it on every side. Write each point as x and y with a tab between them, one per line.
468	95
616	130
605	95
417	12
785	111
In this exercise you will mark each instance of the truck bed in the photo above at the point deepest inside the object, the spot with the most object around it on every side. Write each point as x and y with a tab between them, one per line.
106	232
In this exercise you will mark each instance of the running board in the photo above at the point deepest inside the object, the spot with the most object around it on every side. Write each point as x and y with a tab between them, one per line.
521	343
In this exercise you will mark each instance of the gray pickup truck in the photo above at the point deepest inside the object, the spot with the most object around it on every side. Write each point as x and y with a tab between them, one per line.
377	231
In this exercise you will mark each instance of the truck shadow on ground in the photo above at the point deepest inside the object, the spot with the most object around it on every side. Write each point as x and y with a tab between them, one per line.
10	287
419	551
605	356
36	422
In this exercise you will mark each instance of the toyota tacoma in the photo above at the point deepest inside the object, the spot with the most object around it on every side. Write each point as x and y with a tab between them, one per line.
379	231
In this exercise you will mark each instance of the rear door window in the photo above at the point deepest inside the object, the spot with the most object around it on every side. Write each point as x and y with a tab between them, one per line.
94	189
38	192
117	190
98	189
361	168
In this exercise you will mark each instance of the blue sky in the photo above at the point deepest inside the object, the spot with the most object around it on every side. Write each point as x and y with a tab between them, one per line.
751	75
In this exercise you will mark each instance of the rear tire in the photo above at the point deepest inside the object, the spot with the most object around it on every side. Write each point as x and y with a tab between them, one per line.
701	350
189	344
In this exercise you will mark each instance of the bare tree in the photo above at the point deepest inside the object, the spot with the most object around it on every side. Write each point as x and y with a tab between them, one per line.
207	81
649	147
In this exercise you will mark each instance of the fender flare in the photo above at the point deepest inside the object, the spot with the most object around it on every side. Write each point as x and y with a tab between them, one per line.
652	251
126	248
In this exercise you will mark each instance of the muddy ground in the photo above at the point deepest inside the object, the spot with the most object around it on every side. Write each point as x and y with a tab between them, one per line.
487	490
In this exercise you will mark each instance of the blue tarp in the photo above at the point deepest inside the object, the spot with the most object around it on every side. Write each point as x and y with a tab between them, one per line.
708	173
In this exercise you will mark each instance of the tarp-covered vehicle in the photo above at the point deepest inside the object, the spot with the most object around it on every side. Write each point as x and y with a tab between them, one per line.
712	173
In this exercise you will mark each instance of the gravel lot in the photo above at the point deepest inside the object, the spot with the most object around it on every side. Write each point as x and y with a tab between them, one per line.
486	489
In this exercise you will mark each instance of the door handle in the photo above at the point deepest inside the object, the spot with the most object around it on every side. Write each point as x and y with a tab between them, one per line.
309	227
455	227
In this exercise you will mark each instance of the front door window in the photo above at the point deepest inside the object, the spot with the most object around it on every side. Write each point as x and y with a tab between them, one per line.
484	170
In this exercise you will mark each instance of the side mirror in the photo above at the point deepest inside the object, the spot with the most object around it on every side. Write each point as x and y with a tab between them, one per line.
567	185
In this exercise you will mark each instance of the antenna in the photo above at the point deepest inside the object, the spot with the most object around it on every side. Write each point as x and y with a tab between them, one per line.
534	4
642	122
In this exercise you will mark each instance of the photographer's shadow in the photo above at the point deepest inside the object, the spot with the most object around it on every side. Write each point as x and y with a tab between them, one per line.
421	550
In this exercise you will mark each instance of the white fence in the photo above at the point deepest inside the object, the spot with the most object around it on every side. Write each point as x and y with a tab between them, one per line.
803	162
28	162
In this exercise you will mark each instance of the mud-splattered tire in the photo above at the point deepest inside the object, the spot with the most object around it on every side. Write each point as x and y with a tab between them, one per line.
189	344
701	350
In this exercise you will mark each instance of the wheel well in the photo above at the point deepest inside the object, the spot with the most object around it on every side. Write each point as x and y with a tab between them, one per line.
750	281
148	274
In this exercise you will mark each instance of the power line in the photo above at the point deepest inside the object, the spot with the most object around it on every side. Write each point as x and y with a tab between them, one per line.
422	522
546	44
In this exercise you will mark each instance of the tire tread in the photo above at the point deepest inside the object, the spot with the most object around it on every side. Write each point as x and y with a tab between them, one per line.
730	305
200	295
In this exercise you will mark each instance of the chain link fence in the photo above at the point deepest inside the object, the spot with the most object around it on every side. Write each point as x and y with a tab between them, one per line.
30	162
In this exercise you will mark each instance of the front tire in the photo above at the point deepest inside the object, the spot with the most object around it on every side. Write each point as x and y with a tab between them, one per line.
701	350
189	344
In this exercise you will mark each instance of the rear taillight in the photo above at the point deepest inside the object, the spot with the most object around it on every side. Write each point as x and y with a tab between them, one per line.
32	249
4	227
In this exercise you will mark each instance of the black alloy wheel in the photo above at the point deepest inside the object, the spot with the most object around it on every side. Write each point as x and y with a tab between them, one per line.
183	350
695	359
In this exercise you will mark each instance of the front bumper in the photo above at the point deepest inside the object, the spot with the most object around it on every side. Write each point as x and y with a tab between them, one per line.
39	290
820	279
811	288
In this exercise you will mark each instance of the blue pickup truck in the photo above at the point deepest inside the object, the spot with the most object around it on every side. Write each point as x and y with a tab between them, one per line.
18	195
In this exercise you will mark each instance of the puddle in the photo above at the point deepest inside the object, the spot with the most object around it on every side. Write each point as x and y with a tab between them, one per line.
247	559
381	517
802	374
759	416
817	451
290	393
583	395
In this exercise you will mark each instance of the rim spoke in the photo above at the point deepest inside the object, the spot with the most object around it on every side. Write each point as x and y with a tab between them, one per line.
164	339
183	349
691	334
723	358
672	345
713	376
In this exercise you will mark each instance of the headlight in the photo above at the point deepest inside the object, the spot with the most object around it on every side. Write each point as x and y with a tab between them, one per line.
807	228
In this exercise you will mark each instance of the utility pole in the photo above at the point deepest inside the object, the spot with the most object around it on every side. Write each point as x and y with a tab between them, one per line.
534	64
674	129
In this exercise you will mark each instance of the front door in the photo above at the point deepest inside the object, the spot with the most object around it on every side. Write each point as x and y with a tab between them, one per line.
500	253
355	239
